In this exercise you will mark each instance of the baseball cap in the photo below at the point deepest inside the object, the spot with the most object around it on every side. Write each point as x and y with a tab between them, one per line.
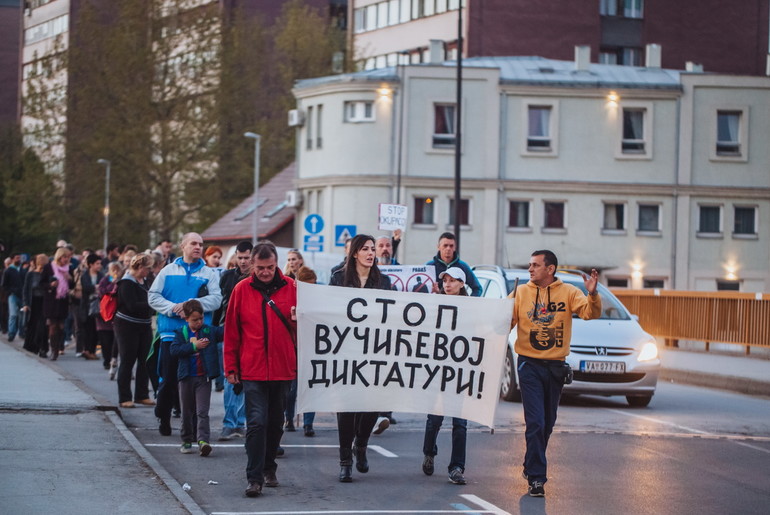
455	272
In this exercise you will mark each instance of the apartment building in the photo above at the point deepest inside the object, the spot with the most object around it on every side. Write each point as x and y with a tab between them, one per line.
656	177
726	37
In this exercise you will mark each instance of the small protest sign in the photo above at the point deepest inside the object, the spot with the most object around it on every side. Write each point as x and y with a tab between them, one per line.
392	217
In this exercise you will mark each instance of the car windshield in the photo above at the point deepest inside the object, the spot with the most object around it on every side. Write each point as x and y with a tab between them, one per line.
612	309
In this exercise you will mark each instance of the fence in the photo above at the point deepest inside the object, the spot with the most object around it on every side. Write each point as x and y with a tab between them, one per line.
724	317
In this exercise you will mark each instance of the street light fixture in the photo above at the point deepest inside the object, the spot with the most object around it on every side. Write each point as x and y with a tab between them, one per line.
106	201
255	215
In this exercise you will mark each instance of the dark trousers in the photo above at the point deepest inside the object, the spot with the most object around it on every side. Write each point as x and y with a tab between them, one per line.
87	334
107	339
264	421
134	343
168	389
459	430
354	426
195	397
540	393
36	337
291	402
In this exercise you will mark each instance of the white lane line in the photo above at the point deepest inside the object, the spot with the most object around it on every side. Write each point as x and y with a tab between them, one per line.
731	438
376	448
352	512
634	415
484	504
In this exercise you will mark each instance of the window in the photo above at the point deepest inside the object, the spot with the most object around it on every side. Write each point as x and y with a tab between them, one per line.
393	12
518	214
728	133
614	217
724	285
423	210
359	17
633	8
710	221
654	283
633	131
464	211
608	7
371	17
608	58
405	15
554	215
649	218
318	138
358	111
617	282
382	15
309	145
444	121
441	6
539	132
429	7
745	221
631	56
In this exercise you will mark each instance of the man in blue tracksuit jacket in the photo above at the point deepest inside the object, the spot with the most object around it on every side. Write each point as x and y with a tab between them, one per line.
447	257
186	278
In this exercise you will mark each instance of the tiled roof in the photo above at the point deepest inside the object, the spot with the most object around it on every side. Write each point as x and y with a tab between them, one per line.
237	223
534	71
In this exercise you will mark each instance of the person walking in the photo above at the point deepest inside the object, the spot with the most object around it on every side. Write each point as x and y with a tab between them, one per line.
234	421
355	428
105	331
542	315
186	278
88	309
260	354
447	257
55	282
36	337
133	332
194	347
453	281
13	286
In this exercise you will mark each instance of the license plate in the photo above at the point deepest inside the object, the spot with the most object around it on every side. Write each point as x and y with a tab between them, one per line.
603	367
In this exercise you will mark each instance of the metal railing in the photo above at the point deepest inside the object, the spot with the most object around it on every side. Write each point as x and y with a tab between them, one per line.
710	317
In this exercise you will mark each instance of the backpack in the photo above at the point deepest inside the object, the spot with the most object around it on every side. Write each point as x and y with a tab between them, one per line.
108	305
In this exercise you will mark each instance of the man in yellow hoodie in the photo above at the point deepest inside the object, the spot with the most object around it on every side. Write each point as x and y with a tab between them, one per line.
543	317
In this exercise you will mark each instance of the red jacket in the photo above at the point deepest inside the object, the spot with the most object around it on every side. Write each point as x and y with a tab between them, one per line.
249	323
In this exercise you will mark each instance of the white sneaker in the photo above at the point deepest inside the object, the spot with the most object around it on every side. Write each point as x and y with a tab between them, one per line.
382	424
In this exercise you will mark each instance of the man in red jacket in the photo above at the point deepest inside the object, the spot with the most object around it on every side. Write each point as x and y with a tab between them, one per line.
260	354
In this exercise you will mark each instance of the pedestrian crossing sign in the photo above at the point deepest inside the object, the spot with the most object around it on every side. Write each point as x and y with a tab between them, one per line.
342	233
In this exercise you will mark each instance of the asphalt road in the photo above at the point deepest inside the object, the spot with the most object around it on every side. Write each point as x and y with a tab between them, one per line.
693	450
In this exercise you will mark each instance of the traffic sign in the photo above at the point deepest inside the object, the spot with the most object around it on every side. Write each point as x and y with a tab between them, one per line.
342	233
313	243
314	223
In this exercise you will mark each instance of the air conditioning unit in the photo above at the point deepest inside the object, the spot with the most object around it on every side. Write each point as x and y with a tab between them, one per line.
293	198
296	118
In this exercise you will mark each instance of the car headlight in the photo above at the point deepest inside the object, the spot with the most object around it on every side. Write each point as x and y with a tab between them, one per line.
649	351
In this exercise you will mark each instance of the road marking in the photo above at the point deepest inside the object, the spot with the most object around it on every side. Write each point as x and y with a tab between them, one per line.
376	448
703	434
484	504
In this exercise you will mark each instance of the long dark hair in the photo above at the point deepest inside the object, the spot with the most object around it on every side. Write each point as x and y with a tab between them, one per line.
351	275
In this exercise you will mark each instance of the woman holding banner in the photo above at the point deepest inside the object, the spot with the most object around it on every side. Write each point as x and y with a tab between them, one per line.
355	427
453	280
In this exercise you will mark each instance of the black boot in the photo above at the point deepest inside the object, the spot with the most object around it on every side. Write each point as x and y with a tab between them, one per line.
362	463
346	465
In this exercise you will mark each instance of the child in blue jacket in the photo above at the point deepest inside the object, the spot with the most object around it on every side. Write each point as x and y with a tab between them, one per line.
195	346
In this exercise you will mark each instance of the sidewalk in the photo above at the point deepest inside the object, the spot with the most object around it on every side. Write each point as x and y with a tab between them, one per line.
62	450
739	374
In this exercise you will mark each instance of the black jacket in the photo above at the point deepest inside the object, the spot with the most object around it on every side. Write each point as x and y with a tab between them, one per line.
227	282
132	301
12	282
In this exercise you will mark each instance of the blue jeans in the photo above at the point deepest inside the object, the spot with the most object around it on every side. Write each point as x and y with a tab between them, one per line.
14	305
540	393
308	418
235	408
264	419
459	430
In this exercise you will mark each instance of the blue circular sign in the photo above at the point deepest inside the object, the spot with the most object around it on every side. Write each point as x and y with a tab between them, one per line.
314	223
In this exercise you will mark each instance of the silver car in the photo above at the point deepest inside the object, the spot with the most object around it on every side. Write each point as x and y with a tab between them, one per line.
611	355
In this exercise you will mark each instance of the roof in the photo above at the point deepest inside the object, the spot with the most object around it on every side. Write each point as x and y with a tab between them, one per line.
537	71
273	211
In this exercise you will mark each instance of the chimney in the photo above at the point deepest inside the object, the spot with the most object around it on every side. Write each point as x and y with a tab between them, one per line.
693	67
652	56
582	57
437	53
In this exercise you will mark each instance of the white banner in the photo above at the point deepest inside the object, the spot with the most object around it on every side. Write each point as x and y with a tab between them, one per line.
377	350
420	278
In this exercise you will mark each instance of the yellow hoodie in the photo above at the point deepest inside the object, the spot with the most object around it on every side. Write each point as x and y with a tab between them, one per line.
544	318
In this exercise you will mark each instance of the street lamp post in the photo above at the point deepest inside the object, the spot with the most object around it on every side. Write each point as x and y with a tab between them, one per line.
106	201
255	215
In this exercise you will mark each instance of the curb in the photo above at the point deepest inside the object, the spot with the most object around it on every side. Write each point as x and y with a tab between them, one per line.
721	382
